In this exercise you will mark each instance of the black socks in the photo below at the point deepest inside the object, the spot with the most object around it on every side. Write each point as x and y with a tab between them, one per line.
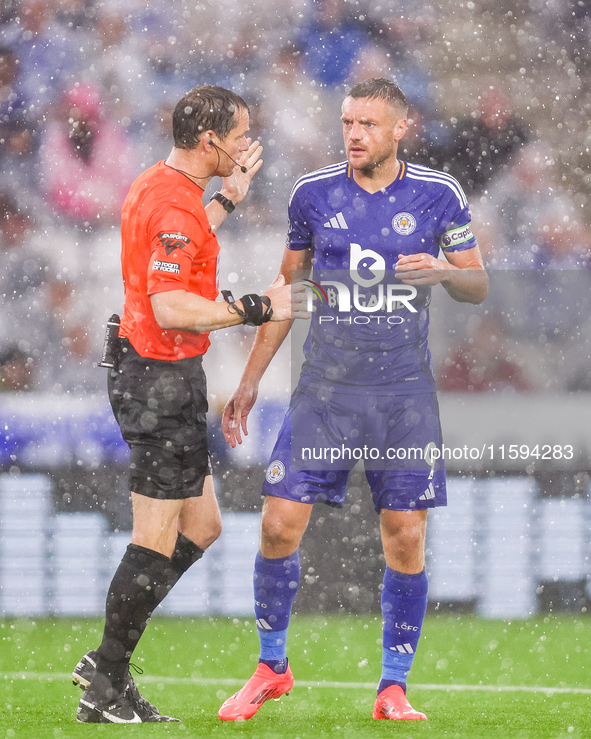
142	580
185	554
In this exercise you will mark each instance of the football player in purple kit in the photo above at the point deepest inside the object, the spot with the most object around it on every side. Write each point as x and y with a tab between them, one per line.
377	224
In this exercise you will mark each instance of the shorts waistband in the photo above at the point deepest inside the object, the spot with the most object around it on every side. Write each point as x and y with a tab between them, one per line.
126	347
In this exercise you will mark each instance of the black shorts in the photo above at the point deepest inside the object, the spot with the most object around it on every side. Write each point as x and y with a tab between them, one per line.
161	409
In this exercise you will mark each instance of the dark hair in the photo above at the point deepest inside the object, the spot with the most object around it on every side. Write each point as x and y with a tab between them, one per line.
205	107
381	88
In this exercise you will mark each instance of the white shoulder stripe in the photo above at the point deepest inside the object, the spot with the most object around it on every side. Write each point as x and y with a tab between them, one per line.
328	168
455	187
428	170
419	169
425	174
429	173
320	174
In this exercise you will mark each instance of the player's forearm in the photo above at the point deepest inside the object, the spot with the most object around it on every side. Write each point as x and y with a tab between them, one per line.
183	311
268	339
466	285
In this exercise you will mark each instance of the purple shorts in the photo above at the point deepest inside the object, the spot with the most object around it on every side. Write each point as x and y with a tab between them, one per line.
396	437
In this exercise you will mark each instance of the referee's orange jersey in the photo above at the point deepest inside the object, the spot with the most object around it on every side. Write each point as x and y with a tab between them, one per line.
167	244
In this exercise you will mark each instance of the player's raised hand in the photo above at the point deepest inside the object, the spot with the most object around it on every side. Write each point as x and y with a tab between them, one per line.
236	412
236	185
288	301
420	269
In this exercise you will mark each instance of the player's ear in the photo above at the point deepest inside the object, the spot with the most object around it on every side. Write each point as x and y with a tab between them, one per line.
400	128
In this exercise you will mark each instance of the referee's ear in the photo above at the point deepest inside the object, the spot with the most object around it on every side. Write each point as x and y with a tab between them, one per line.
208	139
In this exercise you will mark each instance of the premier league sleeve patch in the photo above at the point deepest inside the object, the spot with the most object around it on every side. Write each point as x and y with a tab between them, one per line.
456	237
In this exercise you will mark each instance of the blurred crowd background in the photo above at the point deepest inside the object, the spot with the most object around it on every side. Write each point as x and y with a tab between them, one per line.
499	94
500	98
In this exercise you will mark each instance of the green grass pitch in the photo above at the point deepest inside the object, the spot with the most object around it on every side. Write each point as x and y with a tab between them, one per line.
473	678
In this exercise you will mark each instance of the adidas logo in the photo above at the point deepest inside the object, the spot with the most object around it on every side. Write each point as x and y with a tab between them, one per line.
263	625
337	222
263	696
403	649
429	493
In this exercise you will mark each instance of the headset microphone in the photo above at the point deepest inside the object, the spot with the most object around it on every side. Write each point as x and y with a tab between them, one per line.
219	148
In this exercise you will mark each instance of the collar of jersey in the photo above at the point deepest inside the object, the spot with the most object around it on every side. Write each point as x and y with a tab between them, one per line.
183	174
399	177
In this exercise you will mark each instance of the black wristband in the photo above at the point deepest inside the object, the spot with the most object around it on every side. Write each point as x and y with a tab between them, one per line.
226	203
257	308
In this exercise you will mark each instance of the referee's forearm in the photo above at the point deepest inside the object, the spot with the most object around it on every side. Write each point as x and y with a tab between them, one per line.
216	214
182	311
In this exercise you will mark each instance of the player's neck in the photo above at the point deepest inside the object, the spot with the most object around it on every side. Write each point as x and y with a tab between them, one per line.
379	177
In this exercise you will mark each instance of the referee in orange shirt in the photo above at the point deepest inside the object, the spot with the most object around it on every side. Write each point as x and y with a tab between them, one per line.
157	386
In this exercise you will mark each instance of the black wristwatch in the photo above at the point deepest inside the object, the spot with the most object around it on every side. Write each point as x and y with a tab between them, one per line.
226	203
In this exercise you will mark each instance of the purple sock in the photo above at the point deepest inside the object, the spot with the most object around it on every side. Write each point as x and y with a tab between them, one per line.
404	602
276	583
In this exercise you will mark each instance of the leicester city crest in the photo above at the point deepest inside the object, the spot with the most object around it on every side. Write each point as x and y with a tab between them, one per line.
275	472
404	223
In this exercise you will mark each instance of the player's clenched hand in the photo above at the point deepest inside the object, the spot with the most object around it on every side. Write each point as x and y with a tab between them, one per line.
236	185
288	301
236	412
420	269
